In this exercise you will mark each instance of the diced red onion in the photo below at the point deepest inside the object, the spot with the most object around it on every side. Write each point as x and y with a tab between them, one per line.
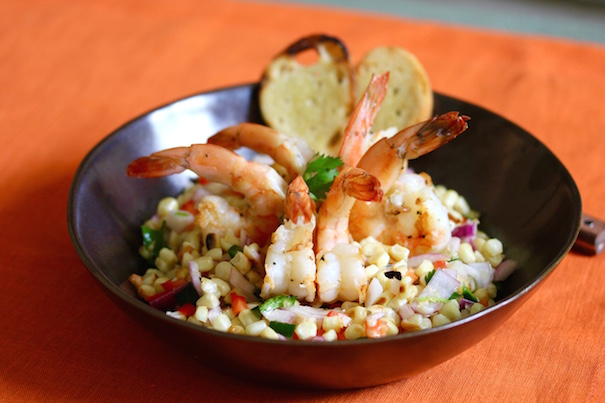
373	318
405	312
309	311
426	308
466	303
441	285
454	244
374	291
505	269
247	289
466	231
415	261
482	273
196	276
213	313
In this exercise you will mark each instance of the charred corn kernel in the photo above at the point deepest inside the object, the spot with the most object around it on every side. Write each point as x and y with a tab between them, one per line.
330	335
146	290
451	310
204	263
222	270
182	273
176	315
241	262
399	253
221	322
247	317
332	323
349	305
466	253
450	198
229	240
269	333
237	329
209	300
255	328
358	314
492	247
201	314
439	320
215	254
223	287
136	280
355	331
392	328
371	271
166	205
492	291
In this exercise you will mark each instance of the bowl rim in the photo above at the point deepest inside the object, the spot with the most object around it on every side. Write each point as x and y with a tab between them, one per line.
117	291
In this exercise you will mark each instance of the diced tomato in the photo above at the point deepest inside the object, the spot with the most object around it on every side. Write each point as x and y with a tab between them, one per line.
341	334
440	264
171	285
189	206
379	329
202	181
238	303
187	309
484	301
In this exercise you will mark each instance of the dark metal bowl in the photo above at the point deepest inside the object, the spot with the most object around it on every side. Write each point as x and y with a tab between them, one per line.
526	196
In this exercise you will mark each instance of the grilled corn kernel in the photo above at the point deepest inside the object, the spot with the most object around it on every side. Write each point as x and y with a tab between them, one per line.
332	323
476	307
166	205
399	253
423	269
201	314
229	240
241	262
355	331
255	328
481	293
451	310
495	260
358	314
478	242
371	271
348	305
439	320
209	287
247	317
222	286
416	322
146	290
222	270
204	263
157	284
192	319
237	329
492	247
209	300
450	198
221	322
182	273
461	205
392	328
492	291
306	330
330	335
269	333
466	253
215	254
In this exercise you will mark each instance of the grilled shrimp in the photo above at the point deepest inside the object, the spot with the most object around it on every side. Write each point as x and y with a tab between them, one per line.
340	265
263	189
292	153
290	263
410	213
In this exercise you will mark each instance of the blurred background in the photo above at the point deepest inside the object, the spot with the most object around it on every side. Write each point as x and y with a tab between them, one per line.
582	20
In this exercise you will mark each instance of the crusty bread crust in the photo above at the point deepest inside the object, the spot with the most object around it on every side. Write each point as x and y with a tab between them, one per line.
409	98
309	101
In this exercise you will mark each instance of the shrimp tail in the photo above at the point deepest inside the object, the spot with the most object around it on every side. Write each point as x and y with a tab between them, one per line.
434	133
354	141
362	186
298	202
157	165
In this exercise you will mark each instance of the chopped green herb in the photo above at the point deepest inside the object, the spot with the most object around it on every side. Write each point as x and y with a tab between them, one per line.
233	250
286	329
466	293
256	312
279	301
153	240
429	276
320	173
455	295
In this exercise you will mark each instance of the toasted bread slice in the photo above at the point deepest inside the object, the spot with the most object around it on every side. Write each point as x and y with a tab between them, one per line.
311	101
409	98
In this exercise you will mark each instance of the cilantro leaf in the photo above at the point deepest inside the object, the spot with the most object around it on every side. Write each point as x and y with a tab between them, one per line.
320	173
429	276
466	293
279	301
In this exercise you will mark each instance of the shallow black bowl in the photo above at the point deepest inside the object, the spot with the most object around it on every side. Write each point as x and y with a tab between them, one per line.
526	196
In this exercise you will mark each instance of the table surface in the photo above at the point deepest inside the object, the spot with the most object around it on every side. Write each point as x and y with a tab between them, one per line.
71	72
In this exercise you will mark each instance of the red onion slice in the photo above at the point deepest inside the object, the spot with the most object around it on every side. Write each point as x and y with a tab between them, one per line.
196	276
505	269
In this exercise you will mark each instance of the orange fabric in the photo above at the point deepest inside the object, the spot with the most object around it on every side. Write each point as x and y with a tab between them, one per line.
72	71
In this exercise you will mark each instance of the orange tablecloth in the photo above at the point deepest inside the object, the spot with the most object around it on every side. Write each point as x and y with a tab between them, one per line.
71	72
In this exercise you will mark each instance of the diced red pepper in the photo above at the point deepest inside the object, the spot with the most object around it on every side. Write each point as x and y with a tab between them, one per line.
440	264
238	303
189	206
187	309
171	285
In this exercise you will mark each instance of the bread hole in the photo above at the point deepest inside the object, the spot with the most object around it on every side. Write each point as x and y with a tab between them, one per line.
307	58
